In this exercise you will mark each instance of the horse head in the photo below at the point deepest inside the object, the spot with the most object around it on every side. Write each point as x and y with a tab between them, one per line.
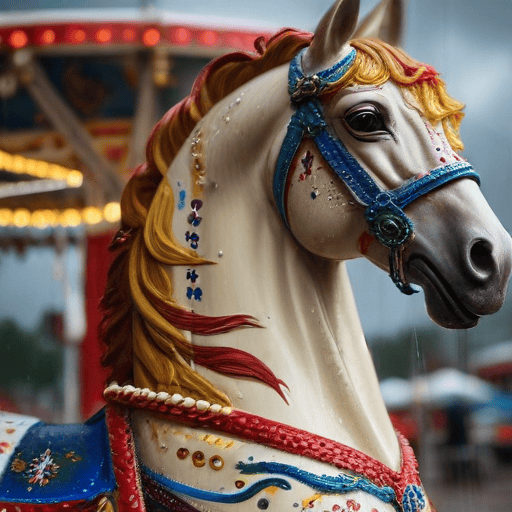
371	157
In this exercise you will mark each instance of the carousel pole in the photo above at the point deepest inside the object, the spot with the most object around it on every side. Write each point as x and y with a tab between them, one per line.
74	327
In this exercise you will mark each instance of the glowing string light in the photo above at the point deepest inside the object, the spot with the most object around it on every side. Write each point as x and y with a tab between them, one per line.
70	217
18	164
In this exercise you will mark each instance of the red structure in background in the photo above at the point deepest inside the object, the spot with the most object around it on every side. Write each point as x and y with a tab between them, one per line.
134	33
92	374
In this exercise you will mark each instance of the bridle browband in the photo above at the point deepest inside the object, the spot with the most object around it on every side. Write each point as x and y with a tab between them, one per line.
384	213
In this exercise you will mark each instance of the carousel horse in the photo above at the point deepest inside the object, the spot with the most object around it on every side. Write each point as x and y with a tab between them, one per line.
241	380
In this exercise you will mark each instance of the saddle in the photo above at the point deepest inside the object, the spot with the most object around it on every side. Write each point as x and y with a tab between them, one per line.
52	468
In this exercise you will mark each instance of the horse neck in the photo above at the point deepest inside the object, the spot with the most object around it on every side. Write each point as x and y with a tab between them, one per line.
311	337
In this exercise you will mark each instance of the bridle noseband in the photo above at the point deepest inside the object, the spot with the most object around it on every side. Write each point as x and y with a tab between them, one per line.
384	213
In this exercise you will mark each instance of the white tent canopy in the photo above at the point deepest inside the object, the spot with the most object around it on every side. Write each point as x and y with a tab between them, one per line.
438	389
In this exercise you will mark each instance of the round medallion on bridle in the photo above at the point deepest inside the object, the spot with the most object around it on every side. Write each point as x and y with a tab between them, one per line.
391	230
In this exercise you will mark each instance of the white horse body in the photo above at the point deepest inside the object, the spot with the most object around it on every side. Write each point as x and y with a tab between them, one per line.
294	281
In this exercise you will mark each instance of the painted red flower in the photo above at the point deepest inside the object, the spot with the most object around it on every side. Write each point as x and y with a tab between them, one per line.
353	505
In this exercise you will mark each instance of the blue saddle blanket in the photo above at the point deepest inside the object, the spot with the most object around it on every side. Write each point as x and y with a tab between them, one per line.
41	463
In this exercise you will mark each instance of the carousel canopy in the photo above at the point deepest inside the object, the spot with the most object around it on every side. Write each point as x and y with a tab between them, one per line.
81	87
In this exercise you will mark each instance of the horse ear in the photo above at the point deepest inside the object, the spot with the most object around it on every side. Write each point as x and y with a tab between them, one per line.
385	22
333	31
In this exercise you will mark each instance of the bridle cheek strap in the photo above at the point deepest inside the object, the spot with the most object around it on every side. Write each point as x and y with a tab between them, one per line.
384	209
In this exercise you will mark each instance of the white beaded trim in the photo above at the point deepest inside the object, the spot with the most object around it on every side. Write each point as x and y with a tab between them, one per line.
166	398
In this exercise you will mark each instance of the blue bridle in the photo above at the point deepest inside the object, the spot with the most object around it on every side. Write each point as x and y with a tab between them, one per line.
384	213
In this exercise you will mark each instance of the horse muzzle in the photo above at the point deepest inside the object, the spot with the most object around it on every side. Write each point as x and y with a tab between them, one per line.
461	255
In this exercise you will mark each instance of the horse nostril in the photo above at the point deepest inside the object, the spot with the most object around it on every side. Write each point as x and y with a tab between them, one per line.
481	258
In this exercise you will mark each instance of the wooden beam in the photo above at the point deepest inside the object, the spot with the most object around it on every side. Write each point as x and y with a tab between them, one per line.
145	116
65	120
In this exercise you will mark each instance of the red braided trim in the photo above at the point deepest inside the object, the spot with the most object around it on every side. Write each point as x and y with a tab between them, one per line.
123	457
285	438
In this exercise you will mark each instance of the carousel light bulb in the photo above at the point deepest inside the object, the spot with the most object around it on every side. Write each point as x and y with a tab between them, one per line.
57	173
103	35
30	166
38	219
47	37
129	34
77	36
18	39
42	169
70	218
151	37
208	38
112	212
18	164
92	215
75	179
182	36
21	217
50	217
5	216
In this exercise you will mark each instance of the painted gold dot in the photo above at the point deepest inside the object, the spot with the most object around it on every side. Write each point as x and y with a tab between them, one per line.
182	453
216	462
198	459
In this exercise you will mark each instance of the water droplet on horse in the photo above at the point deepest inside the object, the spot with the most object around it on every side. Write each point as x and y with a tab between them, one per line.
220	254
329	198
312	310
226	119
239	394
238	100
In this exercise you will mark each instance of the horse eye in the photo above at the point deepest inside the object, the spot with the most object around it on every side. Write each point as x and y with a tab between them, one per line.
365	119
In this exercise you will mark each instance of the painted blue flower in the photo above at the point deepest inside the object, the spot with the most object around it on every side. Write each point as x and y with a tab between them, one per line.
413	499
195	293
194	219
193	238
192	275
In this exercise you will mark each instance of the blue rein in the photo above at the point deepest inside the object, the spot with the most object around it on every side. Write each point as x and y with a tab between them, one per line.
384	213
